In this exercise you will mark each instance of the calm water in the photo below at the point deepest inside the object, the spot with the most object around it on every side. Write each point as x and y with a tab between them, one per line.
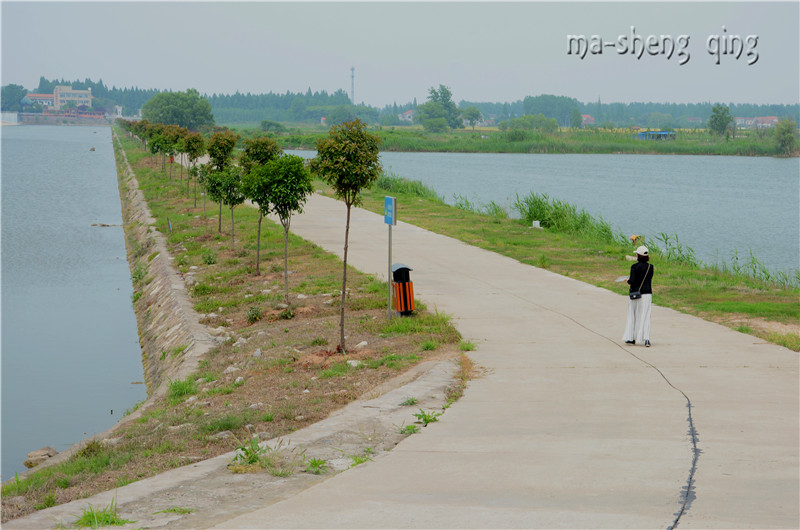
70	346
715	205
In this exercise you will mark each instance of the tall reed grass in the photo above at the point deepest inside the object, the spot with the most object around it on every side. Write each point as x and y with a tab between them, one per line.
564	217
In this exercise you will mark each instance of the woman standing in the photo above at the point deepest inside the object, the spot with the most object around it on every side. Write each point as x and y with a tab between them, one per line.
641	304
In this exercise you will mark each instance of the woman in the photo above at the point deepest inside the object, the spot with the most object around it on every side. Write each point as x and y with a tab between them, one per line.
638	325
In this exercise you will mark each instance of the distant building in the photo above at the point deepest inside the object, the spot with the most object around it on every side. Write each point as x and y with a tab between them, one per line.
745	123
586	119
45	100
407	116
62	95
765	122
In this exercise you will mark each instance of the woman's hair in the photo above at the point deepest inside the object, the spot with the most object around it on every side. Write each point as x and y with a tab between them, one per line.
642	258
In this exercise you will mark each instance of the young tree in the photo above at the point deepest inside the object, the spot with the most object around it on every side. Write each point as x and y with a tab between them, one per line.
220	153
287	183
231	193
785	135
186	109
194	146
258	152
347	160
720	119
472	115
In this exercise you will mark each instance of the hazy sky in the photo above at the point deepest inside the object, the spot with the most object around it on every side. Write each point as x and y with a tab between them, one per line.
483	51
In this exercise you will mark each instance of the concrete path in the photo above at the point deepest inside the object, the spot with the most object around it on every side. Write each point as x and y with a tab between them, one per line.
569	428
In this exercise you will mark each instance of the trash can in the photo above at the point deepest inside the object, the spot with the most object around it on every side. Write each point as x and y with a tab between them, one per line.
403	289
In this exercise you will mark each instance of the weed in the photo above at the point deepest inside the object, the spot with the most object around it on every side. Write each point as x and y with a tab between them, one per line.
319	341
253	314
92	518
139	273
48	501
467	346
175	509
410	401
282	461
427	417
429	345
249	453
268	417
178	390
209	258
359	459
408	429
317	466
286	314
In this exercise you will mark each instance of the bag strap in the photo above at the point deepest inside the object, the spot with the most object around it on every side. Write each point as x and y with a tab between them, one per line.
645	277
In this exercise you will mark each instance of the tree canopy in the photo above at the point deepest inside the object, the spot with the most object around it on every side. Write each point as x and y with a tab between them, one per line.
186	109
720	119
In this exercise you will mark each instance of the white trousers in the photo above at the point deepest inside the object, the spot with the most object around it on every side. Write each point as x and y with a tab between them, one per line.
638	326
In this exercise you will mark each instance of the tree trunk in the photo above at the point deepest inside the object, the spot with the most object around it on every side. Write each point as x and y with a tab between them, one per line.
258	242
286	262
219	224
342	348
233	241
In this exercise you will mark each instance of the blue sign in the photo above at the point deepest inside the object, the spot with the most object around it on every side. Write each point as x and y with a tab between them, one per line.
390	210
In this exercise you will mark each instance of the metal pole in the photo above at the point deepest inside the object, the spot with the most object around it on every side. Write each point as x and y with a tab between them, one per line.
389	275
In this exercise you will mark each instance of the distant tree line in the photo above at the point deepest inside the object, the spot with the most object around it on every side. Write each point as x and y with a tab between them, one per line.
336	107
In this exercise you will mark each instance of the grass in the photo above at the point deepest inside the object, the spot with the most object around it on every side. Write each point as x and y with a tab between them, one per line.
583	247
280	390
98	518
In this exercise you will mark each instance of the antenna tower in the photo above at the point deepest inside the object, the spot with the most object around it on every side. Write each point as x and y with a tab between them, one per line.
353	85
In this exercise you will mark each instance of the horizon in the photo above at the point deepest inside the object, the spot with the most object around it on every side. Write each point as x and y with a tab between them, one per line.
615	52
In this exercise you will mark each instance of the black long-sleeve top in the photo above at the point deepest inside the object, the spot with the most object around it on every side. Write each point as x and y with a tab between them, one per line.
638	271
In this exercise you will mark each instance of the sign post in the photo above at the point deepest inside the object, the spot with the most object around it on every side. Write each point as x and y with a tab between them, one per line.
390	218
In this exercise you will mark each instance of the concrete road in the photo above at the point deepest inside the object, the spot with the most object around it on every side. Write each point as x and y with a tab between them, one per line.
569	427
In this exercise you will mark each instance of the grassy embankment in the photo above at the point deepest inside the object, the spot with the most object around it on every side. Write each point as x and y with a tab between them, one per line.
574	244
284	377
491	140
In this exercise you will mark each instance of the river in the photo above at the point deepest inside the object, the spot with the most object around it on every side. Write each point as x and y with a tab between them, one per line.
71	360
716	205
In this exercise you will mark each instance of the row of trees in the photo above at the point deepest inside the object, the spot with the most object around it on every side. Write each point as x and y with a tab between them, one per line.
274	181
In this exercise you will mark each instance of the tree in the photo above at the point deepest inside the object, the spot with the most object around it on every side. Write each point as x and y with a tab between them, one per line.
285	182
194	146
257	153
231	193
220	152
340	114
186	109
11	96
785	135
432	116
576	120
444	97
473	116
347	160
720	119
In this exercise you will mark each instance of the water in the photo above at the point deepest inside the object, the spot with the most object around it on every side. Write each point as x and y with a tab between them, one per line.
717	205
70	346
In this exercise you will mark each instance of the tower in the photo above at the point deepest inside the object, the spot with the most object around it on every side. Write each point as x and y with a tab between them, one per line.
353	85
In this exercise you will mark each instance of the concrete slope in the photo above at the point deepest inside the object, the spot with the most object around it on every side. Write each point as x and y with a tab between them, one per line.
568	427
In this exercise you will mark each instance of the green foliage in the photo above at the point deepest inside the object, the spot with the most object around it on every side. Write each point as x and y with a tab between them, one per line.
720	120
786	136
564	217
250	452
11	97
254	314
186	109
175	509
258	151
94	518
427	417
178	390
409	401
408	429
317	466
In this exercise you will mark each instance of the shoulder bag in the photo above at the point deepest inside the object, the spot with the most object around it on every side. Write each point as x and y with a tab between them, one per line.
635	295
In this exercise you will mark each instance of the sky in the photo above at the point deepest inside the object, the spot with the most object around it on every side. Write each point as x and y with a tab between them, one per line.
482	51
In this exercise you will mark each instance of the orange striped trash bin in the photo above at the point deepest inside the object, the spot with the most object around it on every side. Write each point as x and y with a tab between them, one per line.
403	289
